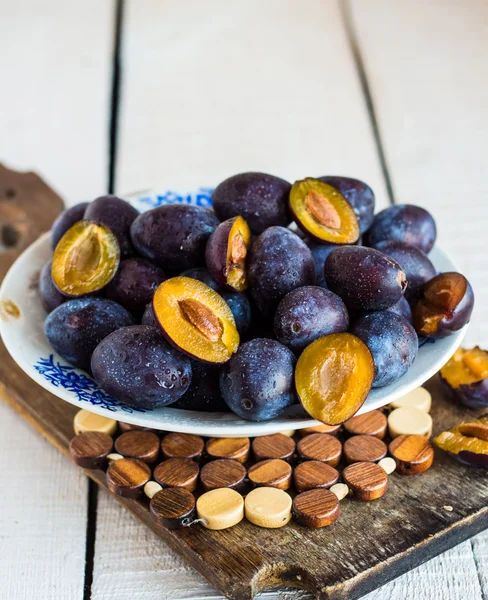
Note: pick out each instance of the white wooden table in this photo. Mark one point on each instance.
(395, 93)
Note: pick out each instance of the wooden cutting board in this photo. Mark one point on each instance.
(373, 542)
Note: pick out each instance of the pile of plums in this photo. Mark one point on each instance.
(241, 309)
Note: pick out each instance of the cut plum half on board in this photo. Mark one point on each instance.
(86, 259)
(333, 377)
(466, 377)
(196, 319)
(467, 442)
(226, 253)
(322, 212)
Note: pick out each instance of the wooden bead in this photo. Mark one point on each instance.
(417, 398)
(232, 448)
(340, 490)
(268, 507)
(143, 445)
(409, 421)
(289, 433)
(330, 429)
(370, 423)
(114, 456)
(413, 454)
(182, 445)
(177, 472)
(316, 508)
(320, 446)
(127, 477)
(152, 488)
(276, 445)
(220, 508)
(313, 474)
(173, 507)
(388, 464)
(222, 473)
(90, 449)
(129, 427)
(367, 481)
(87, 421)
(273, 472)
(364, 448)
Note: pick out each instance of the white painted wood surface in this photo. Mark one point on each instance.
(42, 516)
(214, 88)
(424, 63)
(55, 66)
(210, 89)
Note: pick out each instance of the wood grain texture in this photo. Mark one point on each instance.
(222, 473)
(177, 472)
(55, 104)
(276, 445)
(143, 445)
(182, 445)
(320, 446)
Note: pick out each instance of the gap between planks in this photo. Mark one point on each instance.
(92, 492)
(345, 9)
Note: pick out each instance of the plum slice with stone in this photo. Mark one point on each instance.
(322, 212)
(226, 253)
(85, 260)
(196, 319)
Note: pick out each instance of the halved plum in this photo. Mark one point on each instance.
(467, 442)
(322, 212)
(226, 253)
(196, 319)
(466, 377)
(445, 305)
(333, 377)
(86, 259)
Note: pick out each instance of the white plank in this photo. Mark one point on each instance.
(211, 89)
(426, 64)
(55, 63)
(132, 562)
(42, 516)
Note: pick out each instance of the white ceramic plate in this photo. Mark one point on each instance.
(25, 340)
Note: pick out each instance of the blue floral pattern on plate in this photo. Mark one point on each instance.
(86, 389)
(202, 197)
